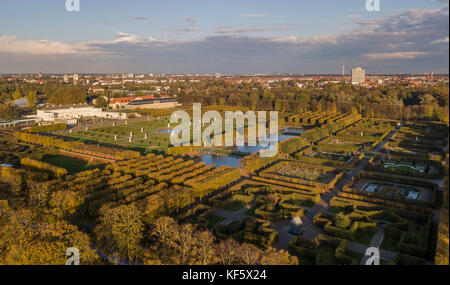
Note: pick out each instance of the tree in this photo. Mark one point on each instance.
(273, 257)
(101, 102)
(31, 98)
(342, 221)
(121, 229)
(17, 95)
(8, 112)
(205, 247)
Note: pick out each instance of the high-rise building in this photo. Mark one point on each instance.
(66, 78)
(358, 76)
(75, 77)
(343, 70)
(218, 75)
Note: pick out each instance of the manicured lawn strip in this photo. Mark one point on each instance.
(71, 164)
(306, 261)
(214, 220)
(235, 206)
(355, 255)
(305, 203)
(251, 211)
(364, 238)
(327, 254)
(389, 244)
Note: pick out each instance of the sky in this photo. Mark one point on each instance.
(233, 36)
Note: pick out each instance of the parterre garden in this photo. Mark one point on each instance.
(279, 187)
(158, 137)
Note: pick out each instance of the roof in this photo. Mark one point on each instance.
(129, 99)
(297, 221)
(61, 107)
(21, 102)
(151, 101)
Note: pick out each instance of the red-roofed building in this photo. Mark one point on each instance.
(123, 101)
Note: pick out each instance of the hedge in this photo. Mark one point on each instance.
(48, 128)
(43, 166)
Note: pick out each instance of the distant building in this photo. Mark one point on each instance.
(70, 112)
(75, 77)
(162, 103)
(66, 78)
(358, 76)
(218, 75)
(123, 101)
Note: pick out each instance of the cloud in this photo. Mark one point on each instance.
(124, 37)
(397, 55)
(252, 15)
(227, 30)
(440, 41)
(140, 18)
(352, 16)
(410, 41)
(12, 44)
(183, 31)
(190, 19)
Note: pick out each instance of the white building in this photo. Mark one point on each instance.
(75, 77)
(66, 113)
(358, 76)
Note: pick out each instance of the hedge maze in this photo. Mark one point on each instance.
(301, 175)
(251, 230)
(396, 192)
(323, 250)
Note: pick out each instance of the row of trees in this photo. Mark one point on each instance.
(121, 232)
(390, 102)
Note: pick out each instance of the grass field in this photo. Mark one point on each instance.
(158, 137)
(364, 238)
(326, 255)
(71, 164)
(214, 220)
(389, 244)
(356, 256)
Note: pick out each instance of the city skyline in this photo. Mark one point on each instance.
(229, 38)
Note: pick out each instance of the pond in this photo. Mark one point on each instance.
(254, 149)
(293, 131)
(232, 161)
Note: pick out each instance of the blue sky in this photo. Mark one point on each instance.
(231, 36)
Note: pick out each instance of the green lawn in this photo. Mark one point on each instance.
(326, 255)
(304, 203)
(251, 212)
(214, 220)
(234, 206)
(334, 210)
(72, 164)
(306, 261)
(389, 244)
(156, 140)
(356, 256)
(364, 237)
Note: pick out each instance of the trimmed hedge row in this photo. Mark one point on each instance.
(47, 128)
(304, 248)
(326, 221)
(78, 147)
(250, 230)
(380, 198)
(43, 166)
